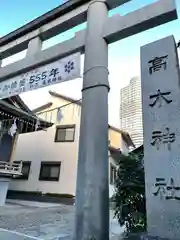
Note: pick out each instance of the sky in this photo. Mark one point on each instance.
(124, 55)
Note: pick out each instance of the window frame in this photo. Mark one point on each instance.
(23, 177)
(113, 174)
(73, 126)
(52, 164)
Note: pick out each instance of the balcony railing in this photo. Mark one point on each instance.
(10, 168)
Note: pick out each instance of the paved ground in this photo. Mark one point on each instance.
(19, 220)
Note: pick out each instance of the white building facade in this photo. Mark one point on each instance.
(131, 110)
(50, 157)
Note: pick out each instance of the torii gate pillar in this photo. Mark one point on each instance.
(92, 194)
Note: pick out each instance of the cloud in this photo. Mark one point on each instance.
(14, 58)
(122, 69)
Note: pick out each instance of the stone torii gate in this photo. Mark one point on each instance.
(92, 196)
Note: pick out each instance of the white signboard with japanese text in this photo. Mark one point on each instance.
(161, 118)
(55, 72)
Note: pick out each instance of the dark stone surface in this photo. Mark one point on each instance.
(39, 197)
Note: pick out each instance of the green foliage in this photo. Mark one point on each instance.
(129, 197)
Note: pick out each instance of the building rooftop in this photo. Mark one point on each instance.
(14, 107)
(125, 135)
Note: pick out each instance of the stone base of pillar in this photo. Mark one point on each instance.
(4, 184)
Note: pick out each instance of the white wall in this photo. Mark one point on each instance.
(40, 146)
(4, 184)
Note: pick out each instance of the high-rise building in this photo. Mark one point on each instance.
(131, 110)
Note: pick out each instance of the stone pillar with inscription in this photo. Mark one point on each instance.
(161, 117)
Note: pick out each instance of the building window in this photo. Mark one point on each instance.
(65, 133)
(113, 174)
(26, 166)
(50, 171)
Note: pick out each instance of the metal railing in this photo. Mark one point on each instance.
(11, 168)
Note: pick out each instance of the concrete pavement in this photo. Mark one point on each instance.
(23, 220)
